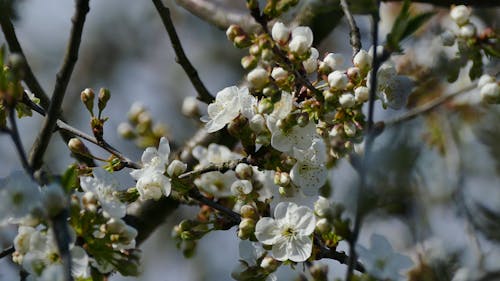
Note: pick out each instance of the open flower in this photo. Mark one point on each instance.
(151, 181)
(381, 261)
(19, 195)
(309, 172)
(289, 232)
(103, 185)
(228, 104)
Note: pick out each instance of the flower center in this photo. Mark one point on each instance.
(289, 232)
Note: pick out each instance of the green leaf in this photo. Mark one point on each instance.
(491, 51)
(416, 22)
(69, 180)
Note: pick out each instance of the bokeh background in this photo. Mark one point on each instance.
(126, 49)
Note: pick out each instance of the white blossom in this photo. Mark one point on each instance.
(241, 187)
(338, 79)
(302, 39)
(363, 60)
(258, 78)
(381, 261)
(322, 206)
(280, 33)
(151, 181)
(295, 137)
(289, 232)
(19, 195)
(468, 30)
(311, 64)
(361, 94)
(334, 61)
(309, 172)
(460, 14)
(104, 186)
(392, 89)
(279, 74)
(490, 92)
(347, 100)
(228, 103)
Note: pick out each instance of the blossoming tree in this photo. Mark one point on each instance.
(261, 163)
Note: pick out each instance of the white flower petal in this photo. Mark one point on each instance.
(299, 249)
(267, 231)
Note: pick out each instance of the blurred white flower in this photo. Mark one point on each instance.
(289, 232)
(227, 105)
(302, 39)
(151, 181)
(490, 92)
(392, 89)
(468, 30)
(309, 172)
(103, 185)
(460, 14)
(295, 137)
(19, 195)
(322, 206)
(381, 261)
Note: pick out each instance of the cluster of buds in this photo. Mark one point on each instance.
(330, 224)
(141, 128)
(87, 97)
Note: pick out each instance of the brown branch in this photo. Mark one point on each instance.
(62, 80)
(14, 47)
(355, 39)
(426, 108)
(181, 58)
(14, 134)
(7, 251)
(219, 16)
(196, 195)
(222, 167)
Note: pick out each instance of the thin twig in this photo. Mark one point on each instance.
(7, 251)
(62, 80)
(369, 138)
(14, 47)
(62, 236)
(219, 16)
(14, 134)
(222, 167)
(428, 107)
(181, 58)
(354, 32)
(196, 195)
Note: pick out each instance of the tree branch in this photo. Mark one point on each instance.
(426, 108)
(181, 58)
(222, 167)
(62, 80)
(355, 39)
(7, 251)
(219, 16)
(14, 47)
(14, 134)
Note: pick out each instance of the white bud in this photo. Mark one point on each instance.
(258, 78)
(322, 206)
(349, 129)
(311, 64)
(338, 79)
(460, 14)
(335, 132)
(280, 33)
(176, 168)
(190, 107)
(135, 109)
(125, 130)
(269, 264)
(323, 226)
(490, 93)
(448, 38)
(347, 100)
(363, 60)
(279, 73)
(243, 171)
(257, 123)
(468, 31)
(241, 187)
(284, 179)
(485, 79)
(353, 73)
(302, 39)
(361, 94)
(334, 61)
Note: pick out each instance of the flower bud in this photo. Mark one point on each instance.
(125, 130)
(448, 38)
(323, 226)
(265, 106)
(248, 211)
(279, 74)
(353, 73)
(135, 110)
(103, 98)
(249, 62)
(460, 14)
(338, 80)
(302, 39)
(284, 179)
(349, 129)
(267, 55)
(232, 31)
(334, 61)
(363, 60)
(87, 97)
(76, 146)
(254, 50)
(269, 264)
(246, 228)
(490, 93)
(280, 33)
(319, 271)
(361, 94)
(242, 41)
(258, 78)
(347, 100)
(176, 168)
(263, 139)
(243, 171)
(190, 107)
(257, 123)
(468, 31)
(329, 96)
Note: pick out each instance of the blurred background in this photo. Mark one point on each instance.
(126, 49)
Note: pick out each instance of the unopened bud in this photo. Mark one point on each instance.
(232, 31)
(468, 31)
(280, 33)
(257, 123)
(104, 96)
(76, 146)
(243, 171)
(242, 41)
(248, 211)
(323, 226)
(269, 264)
(353, 73)
(334, 61)
(361, 94)
(87, 97)
(190, 107)
(246, 228)
(258, 78)
(460, 14)
(176, 168)
(362, 60)
(125, 130)
(279, 74)
(249, 62)
(135, 110)
(338, 80)
(319, 271)
(347, 100)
